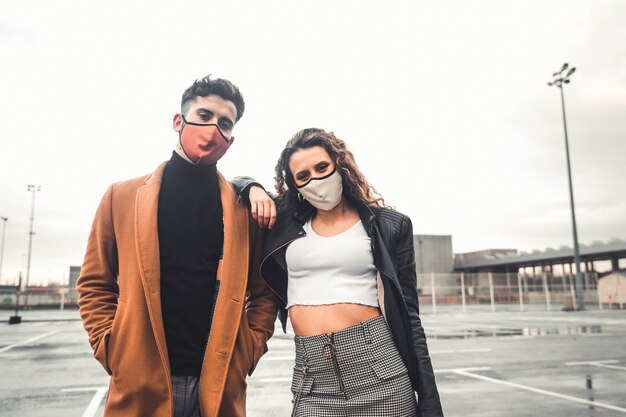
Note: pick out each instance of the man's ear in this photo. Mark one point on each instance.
(177, 122)
(232, 140)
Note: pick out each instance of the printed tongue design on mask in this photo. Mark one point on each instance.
(203, 144)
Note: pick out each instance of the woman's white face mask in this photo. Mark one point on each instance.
(325, 192)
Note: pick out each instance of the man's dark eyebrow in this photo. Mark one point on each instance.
(228, 119)
(204, 109)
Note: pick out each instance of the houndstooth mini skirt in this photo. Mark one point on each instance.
(352, 372)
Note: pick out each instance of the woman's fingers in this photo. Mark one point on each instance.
(272, 214)
(262, 215)
(253, 209)
(262, 207)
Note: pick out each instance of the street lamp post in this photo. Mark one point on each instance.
(561, 78)
(33, 189)
(4, 229)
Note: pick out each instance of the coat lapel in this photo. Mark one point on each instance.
(147, 245)
(233, 275)
(234, 267)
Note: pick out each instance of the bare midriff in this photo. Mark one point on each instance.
(320, 319)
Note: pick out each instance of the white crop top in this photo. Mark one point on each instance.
(331, 270)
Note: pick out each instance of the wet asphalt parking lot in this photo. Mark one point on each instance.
(509, 364)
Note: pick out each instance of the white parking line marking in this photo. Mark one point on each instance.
(265, 380)
(279, 358)
(541, 391)
(81, 389)
(93, 406)
(460, 351)
(291, 358)
(599, 364)
(25, 342)
(96, 400)
(588, 362)
(480, 368)
(437, 371)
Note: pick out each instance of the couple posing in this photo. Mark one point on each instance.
(180, 285)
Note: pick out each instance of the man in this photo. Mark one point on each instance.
(169, 291)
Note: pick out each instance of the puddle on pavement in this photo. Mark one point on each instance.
(517, 332)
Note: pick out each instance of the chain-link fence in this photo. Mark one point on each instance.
(509, 292)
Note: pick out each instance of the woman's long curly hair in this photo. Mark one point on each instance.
(355, 186)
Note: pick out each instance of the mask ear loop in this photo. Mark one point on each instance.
(180, 140)
(300, 198)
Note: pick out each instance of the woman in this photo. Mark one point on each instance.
(343, 265)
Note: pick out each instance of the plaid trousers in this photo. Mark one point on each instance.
(185, 396)
(353, 372)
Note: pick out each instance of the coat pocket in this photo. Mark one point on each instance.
(246, 342)
(111, 359)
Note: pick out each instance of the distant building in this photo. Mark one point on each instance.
(612, 289)
(433, 255)
(7, 296)
(508, 260)
(551, 267)
(483, 254)
(74, 274)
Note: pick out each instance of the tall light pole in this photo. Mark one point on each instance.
(4, 229)
(561, 78)
(33, 189)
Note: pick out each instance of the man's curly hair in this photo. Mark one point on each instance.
(355, 186)
(218, 86)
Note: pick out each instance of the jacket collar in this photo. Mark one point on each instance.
(367, 214)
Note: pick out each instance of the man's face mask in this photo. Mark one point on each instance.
(325, 192)
(204, 144)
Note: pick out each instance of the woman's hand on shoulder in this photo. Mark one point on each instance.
(262, 207)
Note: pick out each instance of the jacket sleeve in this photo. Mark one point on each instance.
(97, 284)
(261, 303)
(242, 188)
(429, 403)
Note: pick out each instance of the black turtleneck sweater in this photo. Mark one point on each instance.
(191, 237)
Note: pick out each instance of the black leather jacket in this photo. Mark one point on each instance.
(391, 235)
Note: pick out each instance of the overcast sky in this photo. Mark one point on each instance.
(444, 104)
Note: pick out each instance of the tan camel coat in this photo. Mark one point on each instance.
(120, 304)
